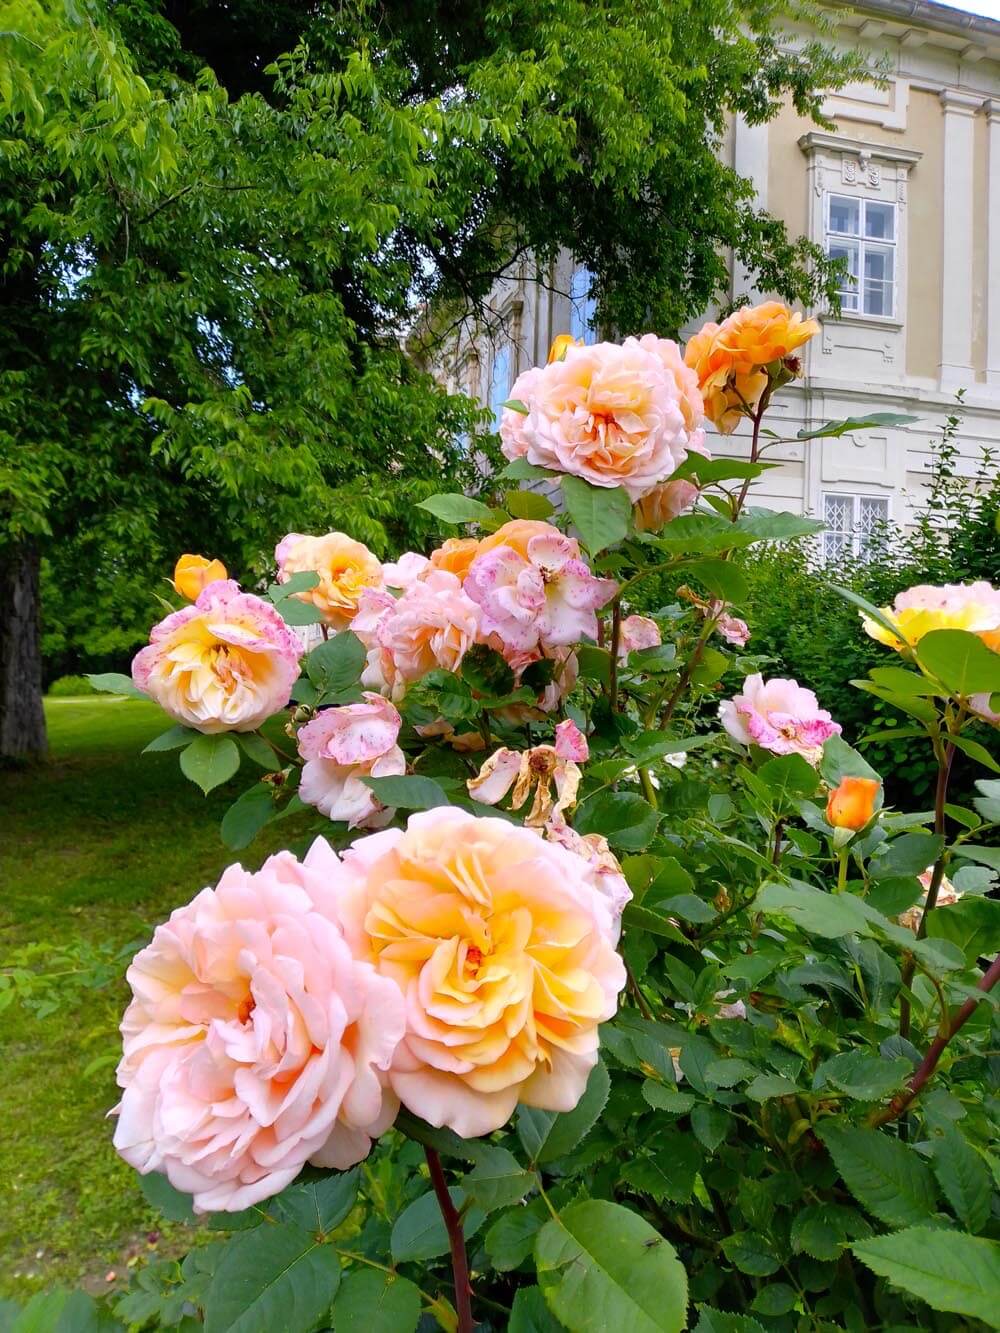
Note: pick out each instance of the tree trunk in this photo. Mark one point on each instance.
(22, 720)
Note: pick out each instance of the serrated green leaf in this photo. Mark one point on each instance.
(963, 1177)
(247, 816)
(337, 663)
(271, 1277)
(209, 761)
(256, 748)
(832, 429)
(456, 508)
(171, 740)
(408, 793)
(602, 1266)
(949, 1271)
(960, 660)
(885, 1175)
(752, 1253)
(497, 1180)
(113, 682)
(317, 1205)
(600, 514)
(370, 1301)
(547, 1136)
(419, 1231)
(530, 1314)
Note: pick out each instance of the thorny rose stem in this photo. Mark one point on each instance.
(456, 1243)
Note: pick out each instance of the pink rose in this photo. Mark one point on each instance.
(343, 745)
(611, 414)
(780, 716)
(980, 705)
(502, 945)
(226, 663)
(638, 632)
(571, 743)
(432, 625)
(733, 630)
(254, 1042)
(946, 897)
(544, 600)
(406, 570)
(512, 437)
(686, 381)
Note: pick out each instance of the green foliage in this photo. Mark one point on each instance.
(70, 687)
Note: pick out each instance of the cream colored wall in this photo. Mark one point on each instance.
(786, 171)
(925, 131)
(979, 252)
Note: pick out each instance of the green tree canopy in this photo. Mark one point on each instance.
(216, 222)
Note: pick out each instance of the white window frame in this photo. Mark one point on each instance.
(582, 305)
(857, 541)
(863, 242)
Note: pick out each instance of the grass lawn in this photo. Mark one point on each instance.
(98, 845)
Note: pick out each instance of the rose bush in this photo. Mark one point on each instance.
(655, 1014)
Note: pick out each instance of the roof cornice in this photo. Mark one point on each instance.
(926, 14)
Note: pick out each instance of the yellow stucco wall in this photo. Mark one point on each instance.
(924, 131)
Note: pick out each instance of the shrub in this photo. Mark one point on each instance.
(70, 687)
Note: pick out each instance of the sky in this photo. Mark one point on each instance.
(989, 8)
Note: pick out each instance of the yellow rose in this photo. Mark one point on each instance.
(974, 607)
(561, 345)
(194, 572)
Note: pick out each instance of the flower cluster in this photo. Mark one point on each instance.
(458, 966)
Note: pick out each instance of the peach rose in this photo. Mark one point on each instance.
(561, 344)
(518, 533)
(432, 625)
(688, 393)
(410, 567)
(780, 716)
(948, 895)
(254, 1042)
(638, 632)
(663, 503)
(513, 442)
(730, 358)
(343, 745)
(970, 606)
(193, 573)
(227, 663)
(852, 804)
(456, 555)
(345, 568)
(610, 414)
(502, 945)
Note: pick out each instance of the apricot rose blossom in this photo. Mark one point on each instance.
(226, 663)
(615, 415)
(779, 715)
(255, 1042)
(345, 567)
(341, 746)
(502, 945)
(545, 599)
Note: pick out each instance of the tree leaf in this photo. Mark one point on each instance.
(960, 660)
(949, 1271)
(373, 1302)
(408, 793)
(965, 1182)
(602, 1266)
(271, 1277)
(210, 760)
(887, 1176)
(547, 1135)
(600, 514)
(455, 508)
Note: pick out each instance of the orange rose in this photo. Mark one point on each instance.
(730, 358)
(516, 534)
(456, 555)
(852, 804)
(194, 572)
(561, 345)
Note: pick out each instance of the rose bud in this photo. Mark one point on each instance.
(192, 573)
(852, 804)
(561, 345)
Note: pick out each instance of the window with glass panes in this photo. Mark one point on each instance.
(500, 379)
(863, 231)
(851, 522)
(583, 306)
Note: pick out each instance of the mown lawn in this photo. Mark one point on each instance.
(96, 846)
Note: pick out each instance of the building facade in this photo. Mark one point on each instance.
(906, 188)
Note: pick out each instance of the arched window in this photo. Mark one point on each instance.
(583, 305)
